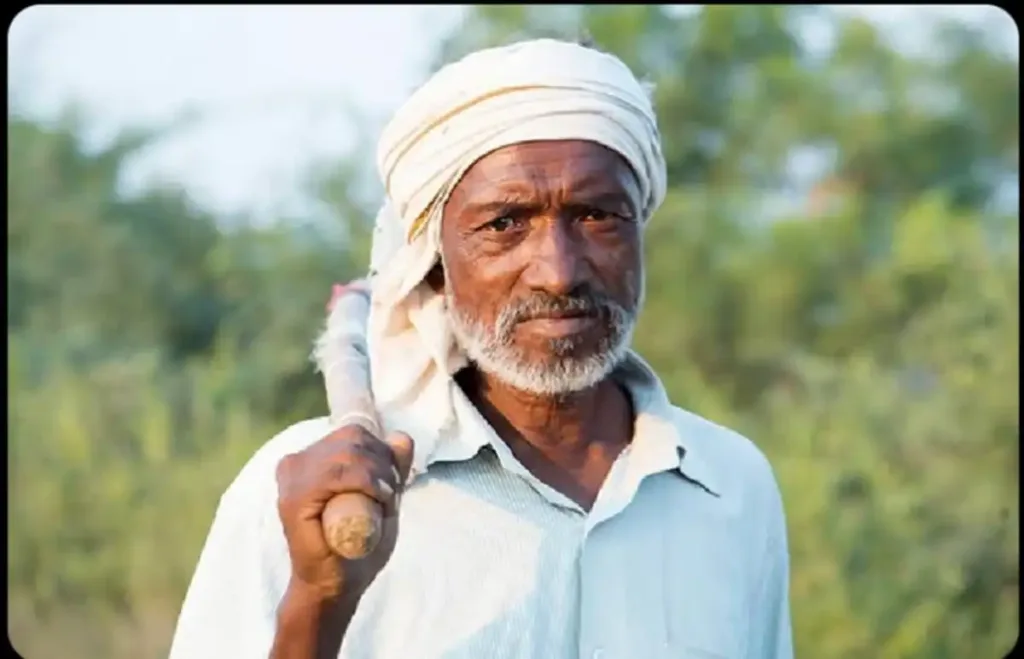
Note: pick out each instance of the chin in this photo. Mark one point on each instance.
(554, 375)
(545, 363)
(581, 346)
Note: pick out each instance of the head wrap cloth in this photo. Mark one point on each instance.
(529, 91)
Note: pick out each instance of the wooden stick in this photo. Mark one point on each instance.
(353, 522)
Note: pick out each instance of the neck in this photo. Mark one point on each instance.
(565, 429)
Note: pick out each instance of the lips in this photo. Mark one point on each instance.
(563, 315)
(561, 324)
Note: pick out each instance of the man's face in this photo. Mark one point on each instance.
(541, 245)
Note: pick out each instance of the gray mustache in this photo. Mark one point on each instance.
(539, 305)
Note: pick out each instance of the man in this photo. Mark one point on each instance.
(545, 499)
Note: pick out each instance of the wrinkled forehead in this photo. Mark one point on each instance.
(566, 168)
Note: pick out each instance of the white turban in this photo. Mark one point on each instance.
(529, 91)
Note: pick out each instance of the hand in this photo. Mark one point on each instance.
(349, 459)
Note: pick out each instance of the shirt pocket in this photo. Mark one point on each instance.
(623, 585)
(707, 573)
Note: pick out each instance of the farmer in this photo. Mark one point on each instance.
(545, 499)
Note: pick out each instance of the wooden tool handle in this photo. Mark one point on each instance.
(353, 523)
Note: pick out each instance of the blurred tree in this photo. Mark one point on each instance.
(152, 350)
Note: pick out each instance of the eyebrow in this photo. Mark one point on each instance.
(502, 202)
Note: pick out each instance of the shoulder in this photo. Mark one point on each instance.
(733, 461)
(257, 480)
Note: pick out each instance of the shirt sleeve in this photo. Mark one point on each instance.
(230, 606)
(772, 636)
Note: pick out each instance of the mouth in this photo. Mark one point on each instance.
(568, 313)
(561, 323)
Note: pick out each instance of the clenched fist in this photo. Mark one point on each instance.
(349, 459)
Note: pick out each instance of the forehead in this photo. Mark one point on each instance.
(564, 166)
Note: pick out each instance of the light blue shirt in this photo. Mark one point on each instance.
(683, 554)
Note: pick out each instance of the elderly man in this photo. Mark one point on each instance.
(554, 503)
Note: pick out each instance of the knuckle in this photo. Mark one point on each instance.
(367, 452)
(361, 480)
(349, 474)
(363, 441)
(348, 434)
(338, 471)
(283, 469)
(284, 504)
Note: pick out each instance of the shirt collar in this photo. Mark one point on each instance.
(658, 430)
(659, 422)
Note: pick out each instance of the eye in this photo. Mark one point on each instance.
(502, 224)
(596, 215)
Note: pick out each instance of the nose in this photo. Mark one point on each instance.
(558, 263)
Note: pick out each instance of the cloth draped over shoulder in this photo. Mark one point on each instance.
(529, 91)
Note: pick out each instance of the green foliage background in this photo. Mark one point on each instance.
(862, 328)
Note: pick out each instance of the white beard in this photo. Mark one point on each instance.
(493, 350)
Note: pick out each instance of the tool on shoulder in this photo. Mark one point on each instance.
(352, 522)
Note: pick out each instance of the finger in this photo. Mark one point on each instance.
(354, 443)
(346, 437)
(374, 482)
(367, 444)
(402, 447)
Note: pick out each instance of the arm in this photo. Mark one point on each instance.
(310, 626)
(240, 602)
(235, 606)
(230, 604)
(243, 600)
(772, 635)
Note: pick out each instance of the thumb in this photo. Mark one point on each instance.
(402, 446)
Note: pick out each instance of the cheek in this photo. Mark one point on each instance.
(457, 277)
(466, 297)
(636, 279)
(620, 268)
(477, 282)
(473, 310)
